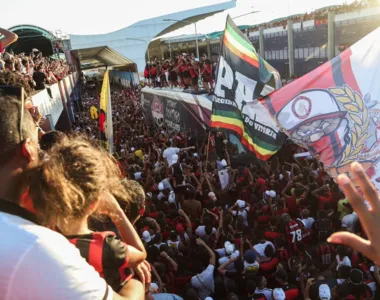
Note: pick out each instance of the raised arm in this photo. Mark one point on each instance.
(8, 37)
(209, 250)
(188, 222)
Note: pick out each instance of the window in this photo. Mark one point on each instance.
(305, 52)
(269, 56)
(286, 54)
(311, 53)
(316, 52)
(296, 53)
(273, 54)
(300, 54)
(281, 54)
(277, 54)
(323, 52)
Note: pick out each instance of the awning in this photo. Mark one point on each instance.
(100, 57)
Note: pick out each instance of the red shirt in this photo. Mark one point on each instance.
(322, 200)
(291, 204)
(267, 268)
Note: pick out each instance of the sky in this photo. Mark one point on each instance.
(92, 17)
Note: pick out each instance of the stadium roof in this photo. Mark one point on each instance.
(100, 57)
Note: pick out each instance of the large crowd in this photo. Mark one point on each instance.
(319, 13)
(212, 230)
(168, 216)
(32, 71)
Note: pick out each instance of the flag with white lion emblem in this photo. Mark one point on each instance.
(334, 111)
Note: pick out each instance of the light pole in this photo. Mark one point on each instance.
(141, 40)
(252, 12)
(196, 32)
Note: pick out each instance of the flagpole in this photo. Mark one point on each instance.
(208, 145)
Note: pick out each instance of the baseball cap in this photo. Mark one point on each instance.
(132, 149)
(271, 194)
(212, 196)
(175, 158)
(324, 292)
(146, 236)
(195, 154)
(278, 294)
(229, 247)
(180, 229)
(249, 256)
(240, 203)
(224, 163)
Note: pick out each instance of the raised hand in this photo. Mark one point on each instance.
(369, 218)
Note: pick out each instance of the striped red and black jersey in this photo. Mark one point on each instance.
(293, 232)
(325, 253)
(107, 254)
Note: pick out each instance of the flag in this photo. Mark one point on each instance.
(243, 77)
(334, 111)
(105, 116)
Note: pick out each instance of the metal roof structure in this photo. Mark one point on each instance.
(100, 57)
(133, 41)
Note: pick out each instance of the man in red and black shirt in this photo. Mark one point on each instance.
(107, 254)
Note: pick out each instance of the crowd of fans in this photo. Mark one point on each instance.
(319, 13)
(214, 230)
(184, 71)
(172, 217)
(31, 71)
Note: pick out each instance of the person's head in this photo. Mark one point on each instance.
(136, 207)
(269, 251)
(249, 256)
(259, 233)
(294, 263)
(281, 276)
(344, 272)
(49, 139)
(341, 251)
(356, 277)
(286, 218)
(250, 287)
(305, 213)
(261, 282)
(19, 151)
(73, 181)
(278, 294)
(348, 208)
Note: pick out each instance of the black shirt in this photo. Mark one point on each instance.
(40, 79)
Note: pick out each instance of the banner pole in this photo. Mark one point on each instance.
(208, 145)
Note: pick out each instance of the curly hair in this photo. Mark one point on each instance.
(73, 179)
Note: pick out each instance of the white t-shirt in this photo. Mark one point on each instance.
(169, 153)
(201, 231)
(266, 292)
(308, 222)
(204, 282)
(260, 248)
(243, 213)
(342, 262)
(349, 221)
(45, 263)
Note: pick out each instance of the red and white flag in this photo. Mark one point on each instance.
(334, 111)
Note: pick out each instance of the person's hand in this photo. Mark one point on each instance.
(233, 258)
(164, 255)
(369, 218)
(108, 205)
(143, 270)
(200, 242)
(181, 212)
(310, 282)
